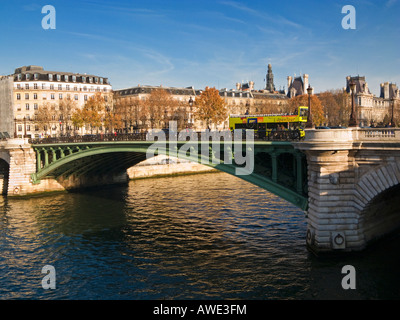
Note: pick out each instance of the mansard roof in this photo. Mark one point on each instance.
(361, 84)
(37, 73)
(146, 89)
(298, 85)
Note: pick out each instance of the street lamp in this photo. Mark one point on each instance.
(25, 135)
(15, 128)
(392, 119)
(191, 115)
(353, 115)
(309, 124)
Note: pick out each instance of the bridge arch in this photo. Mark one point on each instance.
(378, 201)
(4, 176)
(117, 158)
(5, 157)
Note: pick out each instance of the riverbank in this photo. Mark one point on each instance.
(156, 167)
(164, 166)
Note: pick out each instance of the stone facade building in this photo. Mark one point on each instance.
(372, 110)
(244, 98)
(24, 93)
(129, 104)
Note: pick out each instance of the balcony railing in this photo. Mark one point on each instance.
(379, 134)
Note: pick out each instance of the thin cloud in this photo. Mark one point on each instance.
(31, 7)
(262, 15)
(391, 3)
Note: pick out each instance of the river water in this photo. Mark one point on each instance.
(208, 236)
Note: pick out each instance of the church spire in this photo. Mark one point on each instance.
(270, 80)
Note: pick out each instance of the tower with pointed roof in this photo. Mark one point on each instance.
(270, 80)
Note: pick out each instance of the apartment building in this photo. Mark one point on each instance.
(31, 89)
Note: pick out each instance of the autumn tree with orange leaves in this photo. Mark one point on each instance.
(96, 113)
(210, 107)
(317, 110)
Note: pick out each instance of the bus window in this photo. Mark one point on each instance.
(241, 126)
(303, 112)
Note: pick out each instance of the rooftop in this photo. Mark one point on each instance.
(37, 73)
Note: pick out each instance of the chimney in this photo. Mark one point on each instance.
(366, 90)
(238, 86)
(305, 82)
(385, 90)
(251, 85)
(289, 82)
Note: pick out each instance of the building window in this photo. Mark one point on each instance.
(50, 77)
(43, 86)
(19, 127)
(18, 96)
(35, 106)
(26, 96)
(60, 96)
(59, 87)
(84, 88)
(67, 87)
(76, 97)
(73, 78)
(52, 87)
(18, 86)
(19, 77)
(35, 86)
(66, 78)
(35, 96)
(52, 96)
(101, 80)
(58, 77)
(26, 85)
(84, 79)
(75, 88)
(85, 97)
(106, 98)
(27, 106)
(36, 76)
(28, 127)
(28, 76)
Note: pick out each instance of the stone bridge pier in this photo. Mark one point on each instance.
(353, 187)
(18, 160)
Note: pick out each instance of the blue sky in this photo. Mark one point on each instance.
(205, 43)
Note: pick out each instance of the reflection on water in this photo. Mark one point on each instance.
(210, 236)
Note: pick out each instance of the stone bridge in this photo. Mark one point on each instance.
(345, 180)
